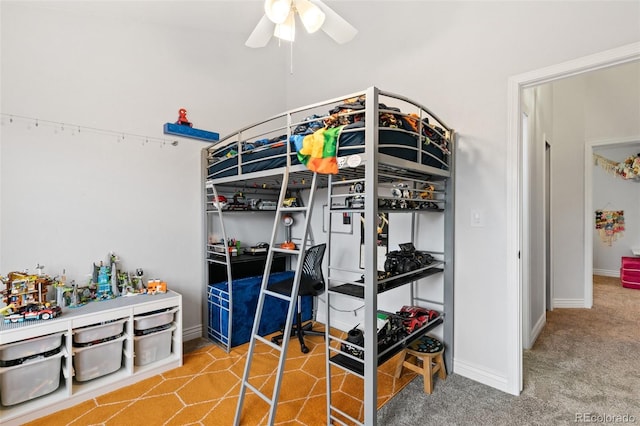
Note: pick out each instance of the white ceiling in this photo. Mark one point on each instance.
(201, 15)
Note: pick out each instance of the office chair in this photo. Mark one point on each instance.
(311, 284)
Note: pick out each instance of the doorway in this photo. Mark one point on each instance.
(515, 264)
(612, 201)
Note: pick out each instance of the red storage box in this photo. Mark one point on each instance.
(631, 263)
(630, 272)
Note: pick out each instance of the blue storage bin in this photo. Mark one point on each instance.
(245, 303)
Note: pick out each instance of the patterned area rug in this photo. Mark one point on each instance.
(204, 391)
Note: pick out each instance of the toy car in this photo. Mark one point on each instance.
(33, 311)
(238, 202)
(415, 317)
(390, 331)
(14, 318)
(221, 201)
(39, 311)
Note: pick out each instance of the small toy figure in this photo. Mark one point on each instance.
(401, 193)
(182, 118)
(156, 286)
(355, 201)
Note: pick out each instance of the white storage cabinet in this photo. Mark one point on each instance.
(111, 326)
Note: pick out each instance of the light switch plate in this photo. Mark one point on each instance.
(477, 218)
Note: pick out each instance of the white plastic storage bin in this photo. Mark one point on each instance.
(152, 347)
(30, 347)
(156, 319)
(94, 333)
(35, 377)
(90, 362)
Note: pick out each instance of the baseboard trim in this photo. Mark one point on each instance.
(480, 375)
(192, 333)
(568, 303)
(537, 329)
(607, 272)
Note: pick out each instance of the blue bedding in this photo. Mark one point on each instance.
(272, 155)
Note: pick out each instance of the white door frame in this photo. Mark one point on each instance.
(609, 58)
(547, 260)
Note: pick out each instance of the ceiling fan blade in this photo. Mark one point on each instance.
(261, 33)
(335, 25)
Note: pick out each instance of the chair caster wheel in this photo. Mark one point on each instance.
(304, 349)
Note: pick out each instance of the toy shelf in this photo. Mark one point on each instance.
(390, 283)
(357, 366)
(72, 391)
(190, 132)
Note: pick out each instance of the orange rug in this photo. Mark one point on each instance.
(205, 391)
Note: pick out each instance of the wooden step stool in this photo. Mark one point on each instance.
(425, 363)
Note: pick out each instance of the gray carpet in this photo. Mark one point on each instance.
(584, 361)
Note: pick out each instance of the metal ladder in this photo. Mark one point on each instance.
(292, 300)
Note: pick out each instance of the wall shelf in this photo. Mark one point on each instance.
(190, 132)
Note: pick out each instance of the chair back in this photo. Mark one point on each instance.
(312, 280)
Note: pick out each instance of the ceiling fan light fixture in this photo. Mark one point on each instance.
(279, 21)
(287, 29)
(278, 10)
(311, 16)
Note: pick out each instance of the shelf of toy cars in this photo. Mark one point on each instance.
(398, 205)
(356, 365)
(389, 283)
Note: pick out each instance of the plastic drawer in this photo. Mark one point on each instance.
(94, 333)
(97, 360)
(30, 380)
(152, 347)
(30, 347)
(630, 278)
(156, 319)
(632, 263)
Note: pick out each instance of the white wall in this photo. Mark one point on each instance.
(454, 57)
(568, 200)
(610, 192)
(69, 198)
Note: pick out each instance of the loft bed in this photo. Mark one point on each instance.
(409, 142)
(410, 139)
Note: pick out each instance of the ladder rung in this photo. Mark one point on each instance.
(257, 392)
(281, 250)
(346, 210)
(267, 341)
(278, 295)
(347, 369)
(294, 209)
(341, 422)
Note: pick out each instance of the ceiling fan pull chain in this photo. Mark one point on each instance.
(291, 58)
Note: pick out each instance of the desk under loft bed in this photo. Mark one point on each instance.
(400, 157)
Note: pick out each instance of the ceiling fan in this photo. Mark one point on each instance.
(279, 21)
